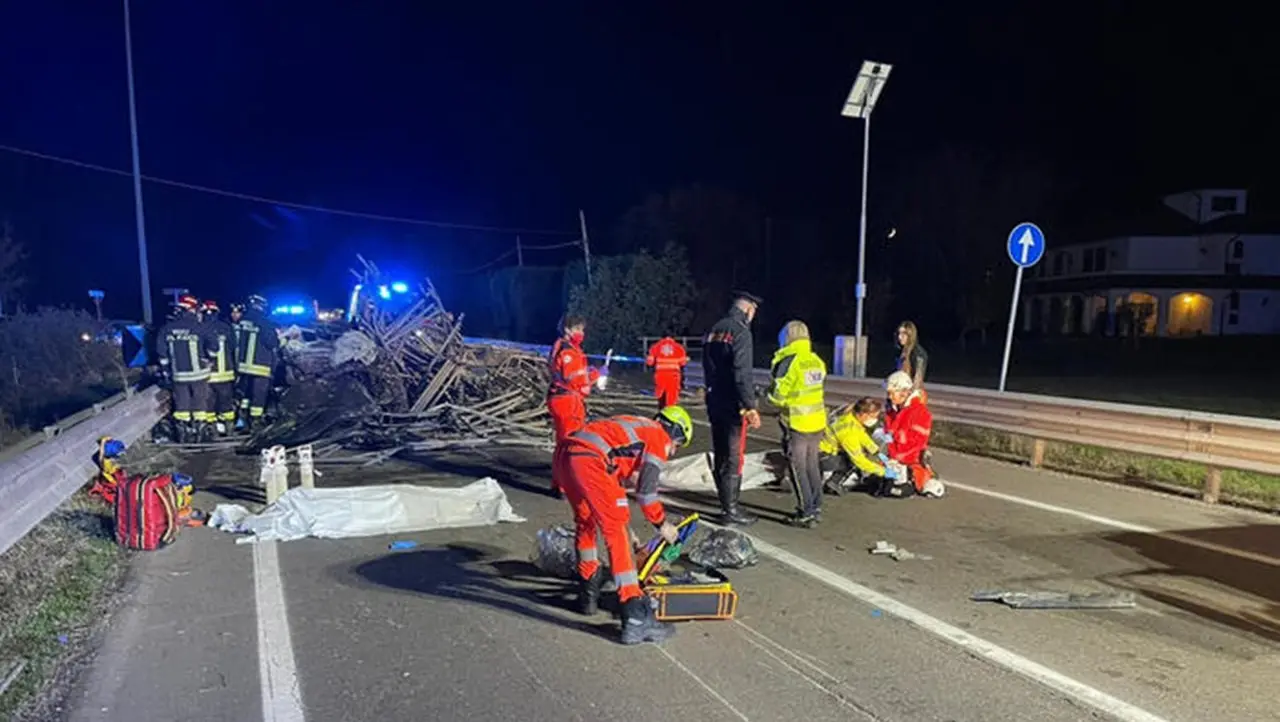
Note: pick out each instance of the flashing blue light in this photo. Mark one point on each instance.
(384, 292)
(297, 310)
(281, 310)
(400, 287)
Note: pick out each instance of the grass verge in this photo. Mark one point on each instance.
(1240, 487)
(55, 585)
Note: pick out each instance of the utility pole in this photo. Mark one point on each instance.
(519, 253)
(768, 253)
(586, 244)
(143, 268)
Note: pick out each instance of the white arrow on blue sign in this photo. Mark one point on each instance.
(1026, 245)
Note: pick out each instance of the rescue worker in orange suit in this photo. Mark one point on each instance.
(595, 462)
(571, 382)
(257, 350)
(909, 423)
(222, 377)
(667, 358)
(727, 364)
(183, 350)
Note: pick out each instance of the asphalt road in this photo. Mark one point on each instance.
(463, 628)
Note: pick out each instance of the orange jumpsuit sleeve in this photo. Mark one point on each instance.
(652, 463)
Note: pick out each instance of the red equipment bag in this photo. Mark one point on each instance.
(146, 512)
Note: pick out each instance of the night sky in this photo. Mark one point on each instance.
(517, 114)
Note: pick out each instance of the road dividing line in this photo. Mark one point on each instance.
(1000, 656)
(277, 671)
(1094, 518)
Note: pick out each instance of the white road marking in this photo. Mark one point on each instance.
(1095, 518)
(977, 646)
(710, 690)
(828, 685)
(277, 671)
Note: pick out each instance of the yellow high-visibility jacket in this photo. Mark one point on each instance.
(798, 378)
(847, 435)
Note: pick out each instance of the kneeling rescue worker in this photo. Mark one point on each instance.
(909, 422)
(594, 464)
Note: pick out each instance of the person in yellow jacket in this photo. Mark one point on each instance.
(797, 391)
(852, 444)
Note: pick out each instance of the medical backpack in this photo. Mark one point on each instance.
(146, 512)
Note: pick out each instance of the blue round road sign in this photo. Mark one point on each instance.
(1026, 245)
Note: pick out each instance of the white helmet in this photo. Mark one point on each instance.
(899, 381)
(933, 488)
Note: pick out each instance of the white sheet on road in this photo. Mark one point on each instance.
(693, 473)
(368, 511)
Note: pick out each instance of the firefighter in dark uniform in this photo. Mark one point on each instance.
(257, 348)
(731, 400)
(183, 351)
(222, 377)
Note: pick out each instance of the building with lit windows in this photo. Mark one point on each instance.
(1201, 265)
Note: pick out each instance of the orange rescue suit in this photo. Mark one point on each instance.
(667, 358)
(594, 464)
(571, 381)
(911, 425)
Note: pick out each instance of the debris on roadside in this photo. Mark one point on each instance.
(897, 553)
(1058, 600)
(724, 549)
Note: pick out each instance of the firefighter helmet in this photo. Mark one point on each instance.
(210, 306)
(187, 302)
(258, 302)
(677, 423)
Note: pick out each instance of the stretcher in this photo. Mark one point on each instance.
(687, 594)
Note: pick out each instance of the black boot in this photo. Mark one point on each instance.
(206, 432)
(640, 624)
(186, 432)
(589, 593)
(733, 512)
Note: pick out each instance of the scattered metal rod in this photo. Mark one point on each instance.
(11, 676)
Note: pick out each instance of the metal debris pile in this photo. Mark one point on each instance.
(427, 388)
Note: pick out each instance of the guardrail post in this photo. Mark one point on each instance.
(1037, 453)
(1212, 485)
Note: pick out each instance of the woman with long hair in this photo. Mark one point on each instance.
(912, 358)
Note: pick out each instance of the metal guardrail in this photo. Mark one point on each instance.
(1218, 441)
(42, 472)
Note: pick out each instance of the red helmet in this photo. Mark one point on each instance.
(210, 306)
(188, 302)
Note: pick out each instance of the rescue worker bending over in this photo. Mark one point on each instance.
(571, 382)
(183, 349)
(910, 424)
(731, 401)
(667, 358)
(222, 392)
(257, 350)
(798, 378)
(852, 445)
(594, 464)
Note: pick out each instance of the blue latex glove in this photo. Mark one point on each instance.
(884, 459)
(881, 437)
(890, 473)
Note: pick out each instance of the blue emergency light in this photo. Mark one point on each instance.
(400, 287)
(384, 292)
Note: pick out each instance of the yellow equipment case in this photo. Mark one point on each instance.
(702, 594)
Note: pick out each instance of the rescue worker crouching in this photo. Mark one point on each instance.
(257, 350)
(222, 377)
(798, 378)
(910, 424)
(183, 347)
(571, 382)
(851, 447)
(593, 464)
(667, 357)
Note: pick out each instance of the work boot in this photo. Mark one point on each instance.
(732, 512)
(185, 432)
(221, 428)
(802, 520)
(640, 624)
(589, 593)
(205, 432)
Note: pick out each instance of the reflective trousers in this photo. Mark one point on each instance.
(666, 388)
(568, 414)
(191, 400)
(599, 502)
(223, 401)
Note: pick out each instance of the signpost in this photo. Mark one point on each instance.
(97, 296)
(1026, 248)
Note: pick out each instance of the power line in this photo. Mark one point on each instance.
(289, 204)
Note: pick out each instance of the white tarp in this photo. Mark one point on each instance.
(693, 473)
(368, 511)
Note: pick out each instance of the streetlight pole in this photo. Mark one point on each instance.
(140, 217)
(861, 101)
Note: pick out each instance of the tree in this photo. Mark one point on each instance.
(11, 256)
(635, 295)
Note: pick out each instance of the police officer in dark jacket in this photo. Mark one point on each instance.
(183, 351)
(731, 400)
(257, 351)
